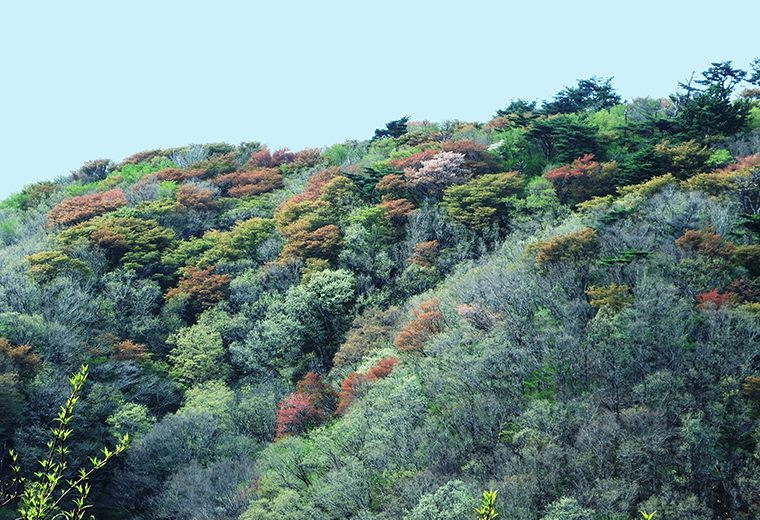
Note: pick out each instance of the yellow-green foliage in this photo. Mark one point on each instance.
(614, 296)
(714, 183)
(46, 265)
(565, 248)
(650, 187)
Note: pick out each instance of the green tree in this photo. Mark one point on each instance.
(394, 129)
(567, 508)
(591, 94)
(485, 201)
(198, 355)
(452, 501)
(563, 137)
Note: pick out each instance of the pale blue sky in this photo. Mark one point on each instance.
(84, 80)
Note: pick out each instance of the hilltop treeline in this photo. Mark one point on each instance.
(560, 303)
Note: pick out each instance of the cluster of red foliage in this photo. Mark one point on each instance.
(713, 300)
(746, 163)
(351, 386)
(176, 174)
(265, 159)
(427, 320)
(582, 180)
(304, 159)
(310, 405)
(192, 197)
(323, 242)
(414, 160)
(246, 183)
(396, 210)
(74, 210)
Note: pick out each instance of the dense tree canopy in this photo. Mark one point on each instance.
(561, 303)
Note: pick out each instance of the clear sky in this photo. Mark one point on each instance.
(83, 80)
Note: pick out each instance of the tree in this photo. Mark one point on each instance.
(517, 107)
(424, 254)
(323, 308)
(78, 209)
(249, 183)
(193, 197)
(133, 242)
(197, 356)
(452, 501)
(574, 247)
(614, 297)
(484, 201)
(563, 137)
(242, 242)
(371, 330)
(426, 322)
(567, 508)
(755, 77)
(705, 242)
(713, 300)
(590, 95)
(394, 129)
(582, 180)
(711, 112)
(199, 290)
(45, 266)
(92, 171)
(309, 406)
(436, 174)
(354, 383)
(723, 76)
(477, 159)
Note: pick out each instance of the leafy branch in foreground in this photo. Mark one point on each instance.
(487, 511)
(41, 498)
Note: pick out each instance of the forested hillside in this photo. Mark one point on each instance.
(561, 304)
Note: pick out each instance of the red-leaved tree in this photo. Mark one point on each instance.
(582, 180)
(309, 406)
(247, 183)
(713, 300)
(74, 210)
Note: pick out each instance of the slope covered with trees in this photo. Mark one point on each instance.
(560, 303)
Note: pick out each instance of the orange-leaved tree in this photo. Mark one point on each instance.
(573, 247)
(74, 210)
(427, 322)
(705, 243)
(352, 385)
(199, 289)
